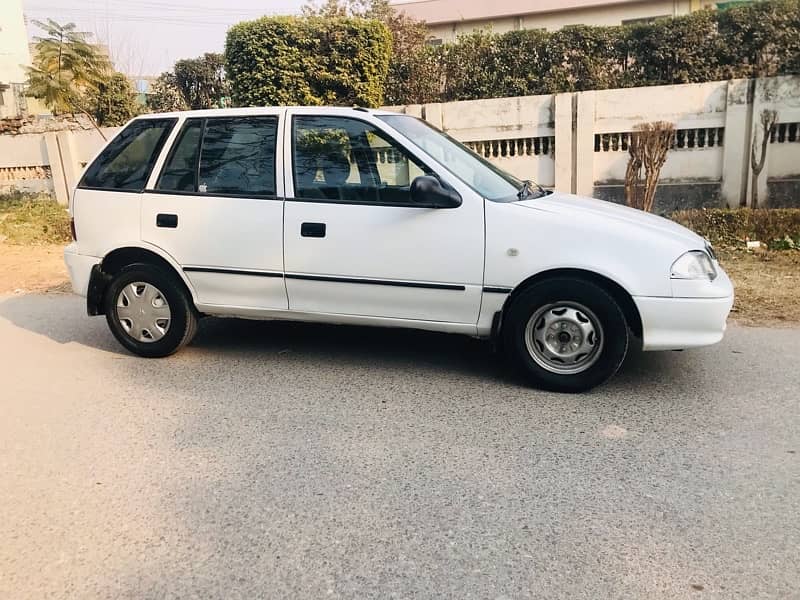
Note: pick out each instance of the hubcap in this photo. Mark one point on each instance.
(143, 312)
(564, 338)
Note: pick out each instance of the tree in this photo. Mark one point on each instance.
(648, 147)
(307, 60)
(164, 95)
(768, 120)
(67, 69)
(412, 70)
(201, 81)
(114, 102)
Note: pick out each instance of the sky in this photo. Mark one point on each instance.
(146, 37)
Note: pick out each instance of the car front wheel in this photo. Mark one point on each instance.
(566, 334)
(148, 312)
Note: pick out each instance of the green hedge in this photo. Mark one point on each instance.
(757, 40)
(779, 228)
(307, 60)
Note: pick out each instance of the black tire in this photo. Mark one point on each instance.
(613, 333)
(183, 316)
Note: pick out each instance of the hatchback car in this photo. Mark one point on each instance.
(368, 217)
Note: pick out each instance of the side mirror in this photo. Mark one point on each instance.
(429, 191)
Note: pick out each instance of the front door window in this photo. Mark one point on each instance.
(339, 159)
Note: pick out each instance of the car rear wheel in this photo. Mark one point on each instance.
(149, 312)
(566, 334)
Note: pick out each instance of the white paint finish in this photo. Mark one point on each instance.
(358, 299)
(632, 248)
(499, 118)
(213, 231)
(682, 166)
(251, 291)
(562, 178)
(26, 150)
(386, 242)
(79, 267)
(784, 160)
(721, 287)
(584, 144)
(693, 105)
(106, 220)
(678, 323)
(736, 156)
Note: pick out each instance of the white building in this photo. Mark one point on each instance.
(14, 57)
(447, 19)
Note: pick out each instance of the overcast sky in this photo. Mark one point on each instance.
(147, 36)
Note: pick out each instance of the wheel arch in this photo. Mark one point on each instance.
(117, 259)
(622, 297)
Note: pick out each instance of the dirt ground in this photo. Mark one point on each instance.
(32, 269)
(766, 286)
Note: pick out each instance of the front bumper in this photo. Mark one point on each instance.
(679, 323)
(80, 268)
(696, 314)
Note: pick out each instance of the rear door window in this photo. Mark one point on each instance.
(224, 156)
(180, 172)
(238, 156)
(125, 164)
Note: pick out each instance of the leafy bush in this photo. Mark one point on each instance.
(30, 219)
(114, 101)
(779, 228)
(755, 40)
(307, 60)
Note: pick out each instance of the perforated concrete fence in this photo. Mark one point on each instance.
(579, 142)
(575, 142)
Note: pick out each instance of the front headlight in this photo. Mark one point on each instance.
(695, 264)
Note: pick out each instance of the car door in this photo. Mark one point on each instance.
(354, 242)
(216, 207)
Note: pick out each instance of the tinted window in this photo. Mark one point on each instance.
(349, 160)
(238, 156)
(126, 162)
(180, 170)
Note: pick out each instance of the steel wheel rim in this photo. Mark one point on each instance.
(143, 312)
(565, 338)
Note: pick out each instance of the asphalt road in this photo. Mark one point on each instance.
(282, 460)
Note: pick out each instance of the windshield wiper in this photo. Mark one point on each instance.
(526, 190)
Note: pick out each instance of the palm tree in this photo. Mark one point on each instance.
(66, 68)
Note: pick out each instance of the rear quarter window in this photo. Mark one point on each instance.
(126, 163)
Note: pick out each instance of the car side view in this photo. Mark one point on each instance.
(369, 217)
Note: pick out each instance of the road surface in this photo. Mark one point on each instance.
(282, 460)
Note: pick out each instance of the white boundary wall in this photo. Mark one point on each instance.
(575, 142)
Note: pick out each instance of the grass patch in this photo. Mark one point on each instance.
(778, 228)
(33, 220)
(765, 286)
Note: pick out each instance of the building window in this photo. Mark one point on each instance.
(644, 20)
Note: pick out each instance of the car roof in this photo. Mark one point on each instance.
(260, 110)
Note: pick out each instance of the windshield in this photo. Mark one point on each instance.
(481, 175)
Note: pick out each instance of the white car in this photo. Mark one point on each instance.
(369, 217)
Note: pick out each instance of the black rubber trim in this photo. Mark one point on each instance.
(389, 282)
(98, 282)
(497, 290)
(359, 203)
(232, 271)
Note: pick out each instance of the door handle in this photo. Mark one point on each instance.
(315, 230)
(169, 221)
